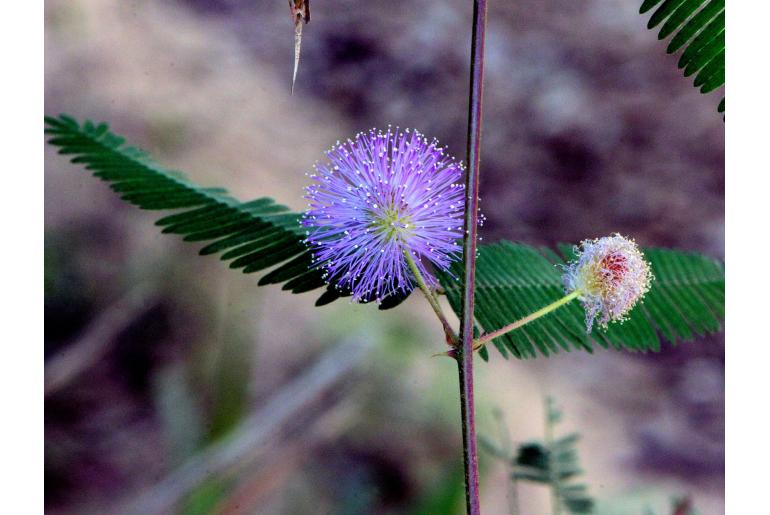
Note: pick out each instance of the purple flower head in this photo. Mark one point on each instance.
(380, 196)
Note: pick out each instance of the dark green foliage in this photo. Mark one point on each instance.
(555, 467)
(253, 236)
(700, 25)
(513, 280)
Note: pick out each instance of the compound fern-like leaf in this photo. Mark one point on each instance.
(700, 26)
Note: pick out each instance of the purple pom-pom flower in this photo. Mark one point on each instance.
(380, 196)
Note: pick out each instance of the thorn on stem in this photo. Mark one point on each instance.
(452, 353)
(300, 11)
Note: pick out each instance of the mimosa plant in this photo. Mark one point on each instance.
(391, 211)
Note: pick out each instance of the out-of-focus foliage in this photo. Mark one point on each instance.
(646, 501)
(554, 461)
(446, 496)
(551, 461)
(700, 26)
(514, 280)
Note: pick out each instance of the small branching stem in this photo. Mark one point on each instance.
(507, 452)
(553, 469)
(451, 337)
(488, 337)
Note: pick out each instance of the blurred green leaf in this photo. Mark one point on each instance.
(205, 498)
(446, 495)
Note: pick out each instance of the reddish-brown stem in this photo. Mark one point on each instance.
(465, 349)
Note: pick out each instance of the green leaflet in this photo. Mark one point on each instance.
(254, 236)
(513, 280)
(700, 26)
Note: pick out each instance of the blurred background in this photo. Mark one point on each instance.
(175, 385)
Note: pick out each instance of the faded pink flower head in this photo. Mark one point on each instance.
(611, 276)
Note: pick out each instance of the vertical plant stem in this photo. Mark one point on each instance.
(465, 349)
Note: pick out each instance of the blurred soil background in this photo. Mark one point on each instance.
(176, 385)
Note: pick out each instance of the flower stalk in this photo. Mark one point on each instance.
(451, 337)
(488, 337)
